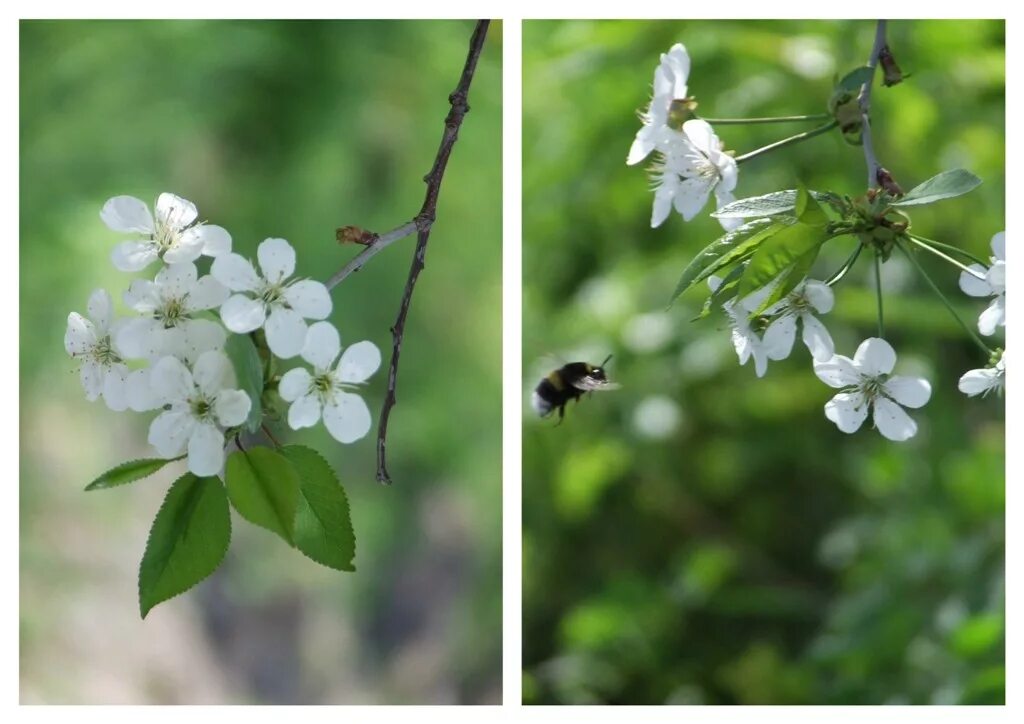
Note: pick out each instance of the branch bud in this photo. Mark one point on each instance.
(355, 235)
(890, 69)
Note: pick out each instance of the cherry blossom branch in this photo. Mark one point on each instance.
(772, 119)
(379, 243)
(865, 108)
(423, 223)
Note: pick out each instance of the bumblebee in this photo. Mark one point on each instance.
(569, 382)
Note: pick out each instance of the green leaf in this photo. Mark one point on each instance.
(809, 210)
(129, 472)
(777, 202)
(775, 257)
(323, 528)
(857, 77)
(946, 185)
(789, 279)
(264, 488)
(187, 542)
(725, 291)
(249, 371)
(731, 247)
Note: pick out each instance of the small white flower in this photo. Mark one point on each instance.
(807, 298)
(323, 393)
(170, 305)
(91, 341)
(203, 403)
(747, 342)
(669, 84)
(992, 285)
(866, 381)
(173, 235)
(692, 166)
(985, 380)
(274, 299)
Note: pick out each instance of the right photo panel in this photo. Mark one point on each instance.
(764, 321)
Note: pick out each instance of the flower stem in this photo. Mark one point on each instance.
(788, 141)
(950, 248)
(973, 335)
(771, 119)
(878, 293)
(945, 257)
(847, 265)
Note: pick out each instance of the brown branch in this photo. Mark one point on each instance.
(379, 243)
(865, 109)
(423, 222)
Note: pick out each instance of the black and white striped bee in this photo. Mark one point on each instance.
(569, 382)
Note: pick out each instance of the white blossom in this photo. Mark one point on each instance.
(808, 298)
(866, 382)
(669, 84)
(172, 235)
(91, 341)
(274, 300)
(693, 165)
(985, 380)
(202, 403)
(170, 306)
(747, 342)
(990, 282)
(324, 392)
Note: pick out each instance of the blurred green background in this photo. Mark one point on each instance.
(704, 536)
(286, 129)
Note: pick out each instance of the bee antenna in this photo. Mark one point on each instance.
(606, 360)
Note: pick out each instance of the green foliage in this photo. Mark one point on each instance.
(777, 202)
(852, 81)
(249, 374)
(264, 488)
(323, 528)
(129, 472)
(187, 542)
(945, 185)
(741, 549)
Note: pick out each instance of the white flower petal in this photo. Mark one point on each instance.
(142, 296)
(642, 146)
(175, 212)
(294, 384)
(975, 285)
(277, 259)
(212, 240)
(187, 248)
(199, 336)
(908, 391)
(133, 256)
(242, 314)
(213, 372)
(347, 417)
(142, 338)
(676, 66)
(235, 272)
(760, 359)
(286, 332)
(80, 335)
(663, 196)
(839, 371)
(304, 412)
(977, 382)
(816, 337)
(205, 450)
(176, 280)
(691, 196)
(101, 310)
(701, 135)
(996, 277)
(874, 357)
(993, 316)
(170, 431)
(309, 298)
(847, 410)
(91, 375)
(359, 362)
(170, 380)
(779, 337)
(206, 293)
(322, 345)
(999, 246)
(819, 295)
(128, 215)
(139, 391)
(115, 387)
(893, 421)
(232, 407)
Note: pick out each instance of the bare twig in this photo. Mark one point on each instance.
(375, 247)
(865, 108)
(423, 222)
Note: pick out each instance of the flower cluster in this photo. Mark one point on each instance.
(690, 162)
(168, 352)
(988, 282)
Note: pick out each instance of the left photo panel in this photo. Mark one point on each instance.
(260, 310)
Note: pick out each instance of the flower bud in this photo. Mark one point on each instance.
(890, 70)
(887, 182)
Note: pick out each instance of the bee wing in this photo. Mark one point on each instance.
(589, 384)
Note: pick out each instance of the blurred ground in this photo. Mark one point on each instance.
(284, 129)
(703, 536)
